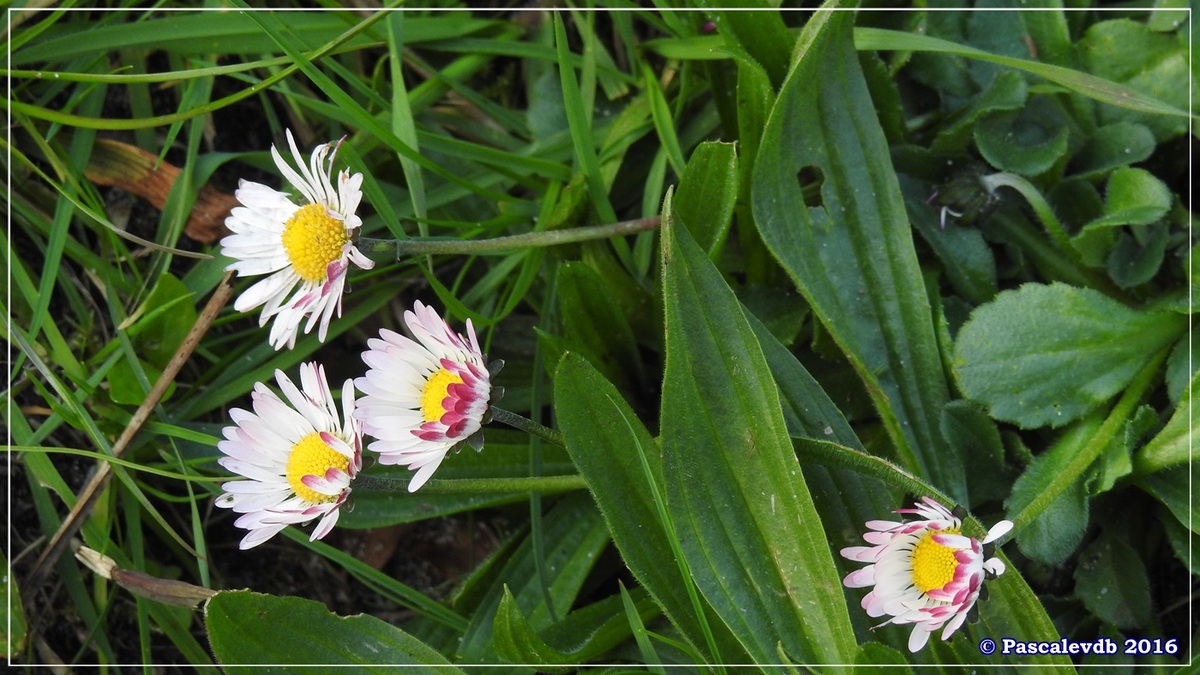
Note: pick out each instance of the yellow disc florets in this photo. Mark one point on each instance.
(933, 564)
(312, 239)
(435, 392)
(312, 456)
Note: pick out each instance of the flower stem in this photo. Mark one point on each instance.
(1036, 201)
(397, 249)
(1054, 227)
(527, 425)
(459, 486)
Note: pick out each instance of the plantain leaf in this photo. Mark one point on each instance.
(735, 493)
(853, 257)
(707, 193)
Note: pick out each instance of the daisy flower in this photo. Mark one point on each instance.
(297, 456)
(925, 572)
(303, 249)
(422, 396)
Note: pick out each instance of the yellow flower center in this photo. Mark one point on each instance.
(435, 392)
(312, 239)
(933, 564)
(311, 456)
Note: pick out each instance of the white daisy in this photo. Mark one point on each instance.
(299, 460)
(925, 572)
(306, 249)
(422, 397)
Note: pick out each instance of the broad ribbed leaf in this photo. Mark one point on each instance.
(253, 629)
(852, 257)
(1047, 354)
(735, 492)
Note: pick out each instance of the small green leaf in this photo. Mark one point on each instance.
(969, 430)
(1027, 141)
(1149, 63)
(596, 325)
(1182, 540)
(1052, 537)
(707, 193)
(1133, 197)
(125, 388)
(735, 493)
(877, 654)
(1046, 355)
(1054, 533)
(1115, 463)
(1172, 487)
(1181, 369)
(1171, 445)
(1007, 92)
(1138, 254)
(164, 321)
(1111, 146)
(1111, 581)
(249, 630)
(12, 615)
(584, 635)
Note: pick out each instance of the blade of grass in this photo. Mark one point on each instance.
(83, 503)
(580, 121)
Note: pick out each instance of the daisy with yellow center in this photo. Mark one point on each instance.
(303, 249)
(924, 572)
(298, 457)
(424, 396)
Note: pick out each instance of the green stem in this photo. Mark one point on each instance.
(392, 249)
(459, 486)
(1036, 201)
(1104, 436)
(1054, 227)
(527, 425)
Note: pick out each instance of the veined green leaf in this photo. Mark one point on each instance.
(707, 194)
(249, 629)
(1047, 354)
(852, 256)
(734, 487)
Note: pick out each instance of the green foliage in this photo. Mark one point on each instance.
(248, 629)
(876, 256)
(1046, 355)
